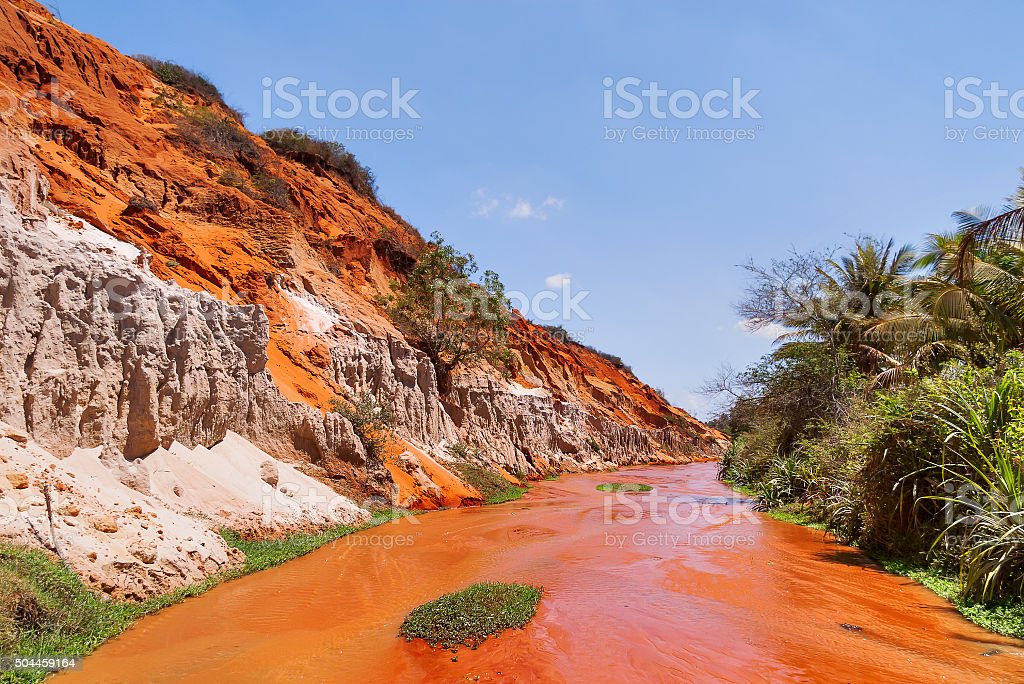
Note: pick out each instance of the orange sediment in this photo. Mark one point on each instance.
(716, 593)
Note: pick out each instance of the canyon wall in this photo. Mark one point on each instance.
(158, 321)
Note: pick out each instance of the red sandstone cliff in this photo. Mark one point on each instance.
(295, 271)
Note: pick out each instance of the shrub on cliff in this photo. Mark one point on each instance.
(452, 318)
(489, 482)
(186, 80)
(218, 135)
(327, 154)
(272, 189)
(371, 420)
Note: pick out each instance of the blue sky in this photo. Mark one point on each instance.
(508, 157)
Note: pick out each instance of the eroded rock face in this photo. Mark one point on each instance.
(523, 430)
(97, 351)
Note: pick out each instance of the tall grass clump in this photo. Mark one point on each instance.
(983, 484)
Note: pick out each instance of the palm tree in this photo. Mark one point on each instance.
(862, 289)
(966, 305)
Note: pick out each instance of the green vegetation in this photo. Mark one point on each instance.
(261, 554)
(492, 486)
(891, 410)
(186, 80)
(45, 608)
(469, 616)
(459, 450)
(218, 135)
(624, 487)
(557, 333)
(272, 190)
(371, 420)
(453, 319)
(328, 155)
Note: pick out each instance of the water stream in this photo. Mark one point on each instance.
(683, 584)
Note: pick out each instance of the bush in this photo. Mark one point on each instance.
(20, 608)
(983, 478)
(186, 80)
(140, 204)
(610, 358)
(624, 487)
(329, 155)
(273, 190)
(453, 319)
(371, 420)
(459, 451)
(218, 135)
(232, 179)
(493, 487)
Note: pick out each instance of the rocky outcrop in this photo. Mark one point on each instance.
(99, 352)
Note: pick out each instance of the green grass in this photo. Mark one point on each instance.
(794, 513)
(469, 616)
(1005, 618)
(67, 618)
(261, 554)
(71, 619)
(624, 487)
(492, 486)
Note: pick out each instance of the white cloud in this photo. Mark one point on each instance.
(772, 331)
(521, 210)
(552, 203)
(555, 281)
(514, 208)
(483, 204)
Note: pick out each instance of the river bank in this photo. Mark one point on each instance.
(1006, 619)
(729, 595)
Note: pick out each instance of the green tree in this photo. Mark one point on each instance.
(454, 319)
(371, 420)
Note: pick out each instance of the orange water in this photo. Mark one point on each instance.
(728, 596)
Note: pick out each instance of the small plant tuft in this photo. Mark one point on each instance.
(492, 486)
(186, 80)
(469, 616)
(624, 487)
